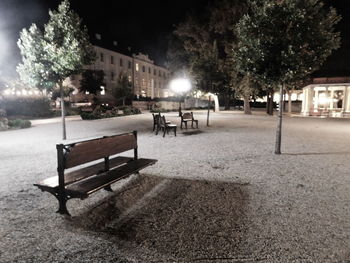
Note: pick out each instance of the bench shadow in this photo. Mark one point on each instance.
(175, 218)
(195, 132)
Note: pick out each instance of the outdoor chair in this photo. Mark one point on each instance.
(165, 126)
(186, 117)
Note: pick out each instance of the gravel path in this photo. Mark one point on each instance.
(216, 195)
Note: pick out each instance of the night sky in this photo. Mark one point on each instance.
(143, 25)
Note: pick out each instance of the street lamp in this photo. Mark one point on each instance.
(180, 86)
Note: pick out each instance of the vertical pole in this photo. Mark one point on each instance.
(135, 149)
(63, 112)
(279, 123)
(290, 102)
(208, 111)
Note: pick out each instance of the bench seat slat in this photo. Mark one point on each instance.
(92, 184)
(82, 173)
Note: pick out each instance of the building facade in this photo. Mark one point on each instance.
(329, 97)
(146, 78)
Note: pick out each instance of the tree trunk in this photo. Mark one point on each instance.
(227, 100)
(208, 111)
(269, 103)
(63, 113)
(289, 102)
(247, 109)
(279, 123)
(123, 102)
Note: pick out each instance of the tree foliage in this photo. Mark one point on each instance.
(59, 51)
(123, 89)
(91, 81)
(284, 41)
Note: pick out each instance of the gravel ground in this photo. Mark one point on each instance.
(218, 194)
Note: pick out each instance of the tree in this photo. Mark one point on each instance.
(203, 43)
(91, 81)
(61, 50)
(123, 89)
(281, 42)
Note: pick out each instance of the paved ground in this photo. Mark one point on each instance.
(217, 195)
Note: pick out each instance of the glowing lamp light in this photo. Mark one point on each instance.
(180, 85)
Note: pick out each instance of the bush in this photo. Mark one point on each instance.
(19, 123)
(31, 106)
(90, 116)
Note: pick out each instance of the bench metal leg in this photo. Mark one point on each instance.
(62, 202)
(108, 188)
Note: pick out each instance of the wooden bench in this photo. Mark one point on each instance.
(82, 182)
(186, 117)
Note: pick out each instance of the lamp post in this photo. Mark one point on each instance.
(180, 86)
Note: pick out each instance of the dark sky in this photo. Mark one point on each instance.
(143, 25)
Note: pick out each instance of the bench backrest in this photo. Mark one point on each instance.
(187, 116)
(91, 150)
(156, 118)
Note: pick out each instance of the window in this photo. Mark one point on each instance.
(137, 66)
(121, 62)
(103, 91)
(155, 72)
(112, 60)
(112, 75)
(143, 69)
(164, 74)
(129, 78)
(101, 57)
(149, 70)
(160, 73)
(87, 93)
(129, 64)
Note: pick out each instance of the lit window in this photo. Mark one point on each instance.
(121, 62)
(143, 93)
(103, 91)
(137, 66)
(129, 78)
(101, 57)
(112, 60)
(87, 93)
